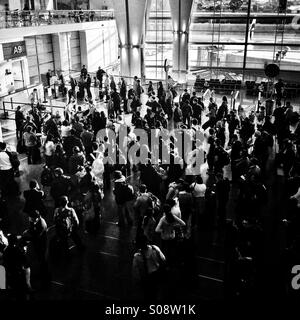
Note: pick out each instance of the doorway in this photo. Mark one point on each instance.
(18, 74)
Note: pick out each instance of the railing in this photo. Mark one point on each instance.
(22, 18)
(9, 108)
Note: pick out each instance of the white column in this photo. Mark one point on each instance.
(180, 12)
(130, 18)
(61, 51)
(90, 48)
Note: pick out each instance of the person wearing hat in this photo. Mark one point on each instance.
(121, 192)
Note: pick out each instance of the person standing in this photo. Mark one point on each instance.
(34, 199)
(88, 86)
(37, 234)
(120, 192)
(123, 93)
(30, 140)
(146, 268)
(198, 192)
(166, 227)
(66, 224)
(99, 76)
(6, 169)
(83, 71)
(48, 77)
(19, 120)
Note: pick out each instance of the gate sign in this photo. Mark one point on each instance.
(14, 50)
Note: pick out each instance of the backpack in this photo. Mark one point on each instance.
(63, 223)
(14, 160)
(46, 177)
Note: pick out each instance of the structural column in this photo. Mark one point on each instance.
(180, 12)
(62, 51)
(91, 49)
(130, 18)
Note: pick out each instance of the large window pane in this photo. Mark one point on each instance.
(288, 58)
(218, 30)
(159, 39)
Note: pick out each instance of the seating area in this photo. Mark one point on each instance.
(217, 85)
(252, 88)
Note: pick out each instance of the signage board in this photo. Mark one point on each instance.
(13, 50)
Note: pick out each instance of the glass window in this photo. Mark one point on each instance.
(159, 39)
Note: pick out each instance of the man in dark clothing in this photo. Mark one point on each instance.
(99, 76)
(187, 112)
(117, 102)
(233, 124)
(19, 119)
(71, 142)
(51, 128)
(48, 77)
(60, 186)
(143, 203)
(223, 109)
(76, 160)
(34, 199)
(88, 86)
(281, 127)
(84, 71)
(197, 110)
(17, 267)
(185, 96)
(66, 213)
(37, 234)
(87, 140)
(120, 192)
(279, 89)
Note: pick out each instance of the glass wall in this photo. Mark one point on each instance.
(39, 56)
(159, 39)
(228, 36)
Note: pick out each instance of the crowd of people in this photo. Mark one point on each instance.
(168, 206)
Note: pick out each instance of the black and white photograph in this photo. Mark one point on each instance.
(149, 155)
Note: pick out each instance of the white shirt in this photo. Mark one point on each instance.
(49, 148)
(176, 209)
(4, 161)
(198, 190)
(65, 131)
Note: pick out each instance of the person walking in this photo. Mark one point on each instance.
(67, 224)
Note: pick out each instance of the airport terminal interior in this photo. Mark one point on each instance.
(149, 149)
